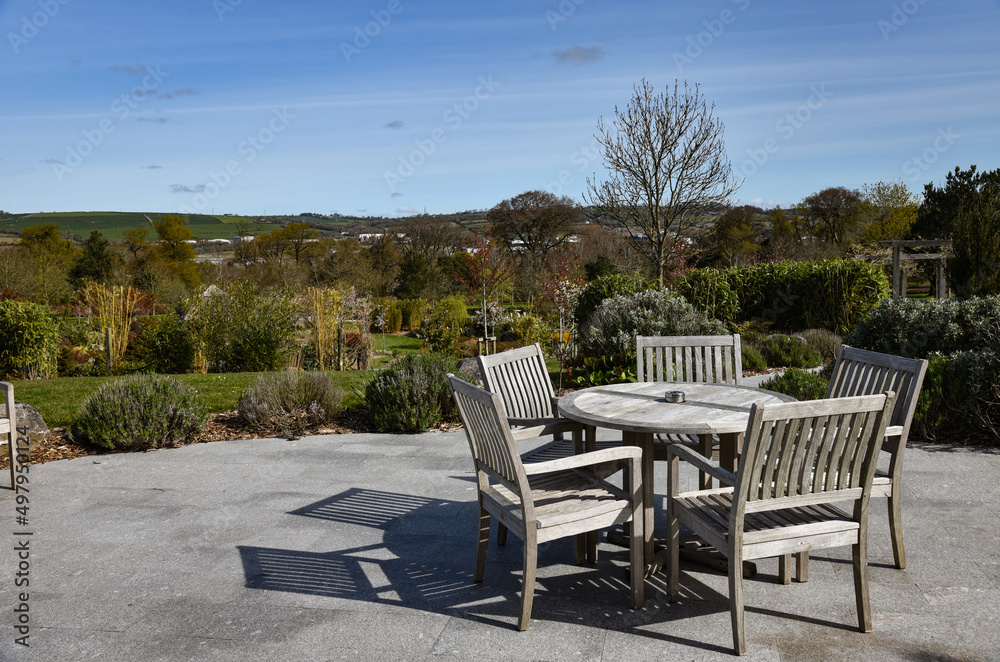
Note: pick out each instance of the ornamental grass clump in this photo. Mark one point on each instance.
(290, 401)
(412, 394)
(139, 412)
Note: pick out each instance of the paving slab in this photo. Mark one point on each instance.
(360, 547)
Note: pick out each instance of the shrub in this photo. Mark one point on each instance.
(445, 324)
(412, 312)
(823, 342)
(290, 400)
(584, 371)
(961, 340)
(753, 360)
(960, 396)
(604, 288)
(242, 329)
(780, 351)
(612, 328)
(831, 294)
(412, 394)
(29, 341)
(139, 412)
(529, 329)
(386, 316)
(709, 291)
(800, 384)
(164, 344)
(915, 329)
(394, 318)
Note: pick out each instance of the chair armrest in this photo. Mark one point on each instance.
(894, 431)
(702, 463)
(585, 460)
(529, 428)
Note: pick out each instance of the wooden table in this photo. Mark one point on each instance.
(641, 411)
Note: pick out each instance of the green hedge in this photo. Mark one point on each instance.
(831, 294)
(961, 340)
(29, 340)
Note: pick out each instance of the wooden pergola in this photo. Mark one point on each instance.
(898, 284)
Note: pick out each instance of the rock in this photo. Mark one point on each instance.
(469, 369)
(37, 429)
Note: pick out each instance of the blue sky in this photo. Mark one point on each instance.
(391, 107)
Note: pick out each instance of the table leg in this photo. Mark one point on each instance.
(644, 440)
(730, 446)
(705, 448)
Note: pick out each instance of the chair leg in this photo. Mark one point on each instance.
(637, 543)
(501, 534)
(673, 531)
(592, 538)
(11, 445)
(860, 558)
(896, 526)
(528, 581)
(736, 602)
(785, 569)
(483, 544)
(580, 548)
(802, 567)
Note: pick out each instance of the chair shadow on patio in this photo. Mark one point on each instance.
(425, 561)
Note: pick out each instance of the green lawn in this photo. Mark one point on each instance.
(398, 343)
(58, 400)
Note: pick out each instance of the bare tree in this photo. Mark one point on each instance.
(667, 167)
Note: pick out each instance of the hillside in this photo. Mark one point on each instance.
(79, 225)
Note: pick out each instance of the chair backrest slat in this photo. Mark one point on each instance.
(711, 359)
(810, 448)
(520, 378)
(862, 372)
(493, 449)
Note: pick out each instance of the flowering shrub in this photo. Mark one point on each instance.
(611, 329)
(290, 400)
(139, 412)
(412, 394)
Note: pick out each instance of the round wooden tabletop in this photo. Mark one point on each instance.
(643, 407)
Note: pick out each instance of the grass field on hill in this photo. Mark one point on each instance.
(113, 224)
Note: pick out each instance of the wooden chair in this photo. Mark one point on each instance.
(797, 460)
(710, 359)
(546, 500)
(707, 359)
(8, 427)
(520, 378)
(861, 372)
